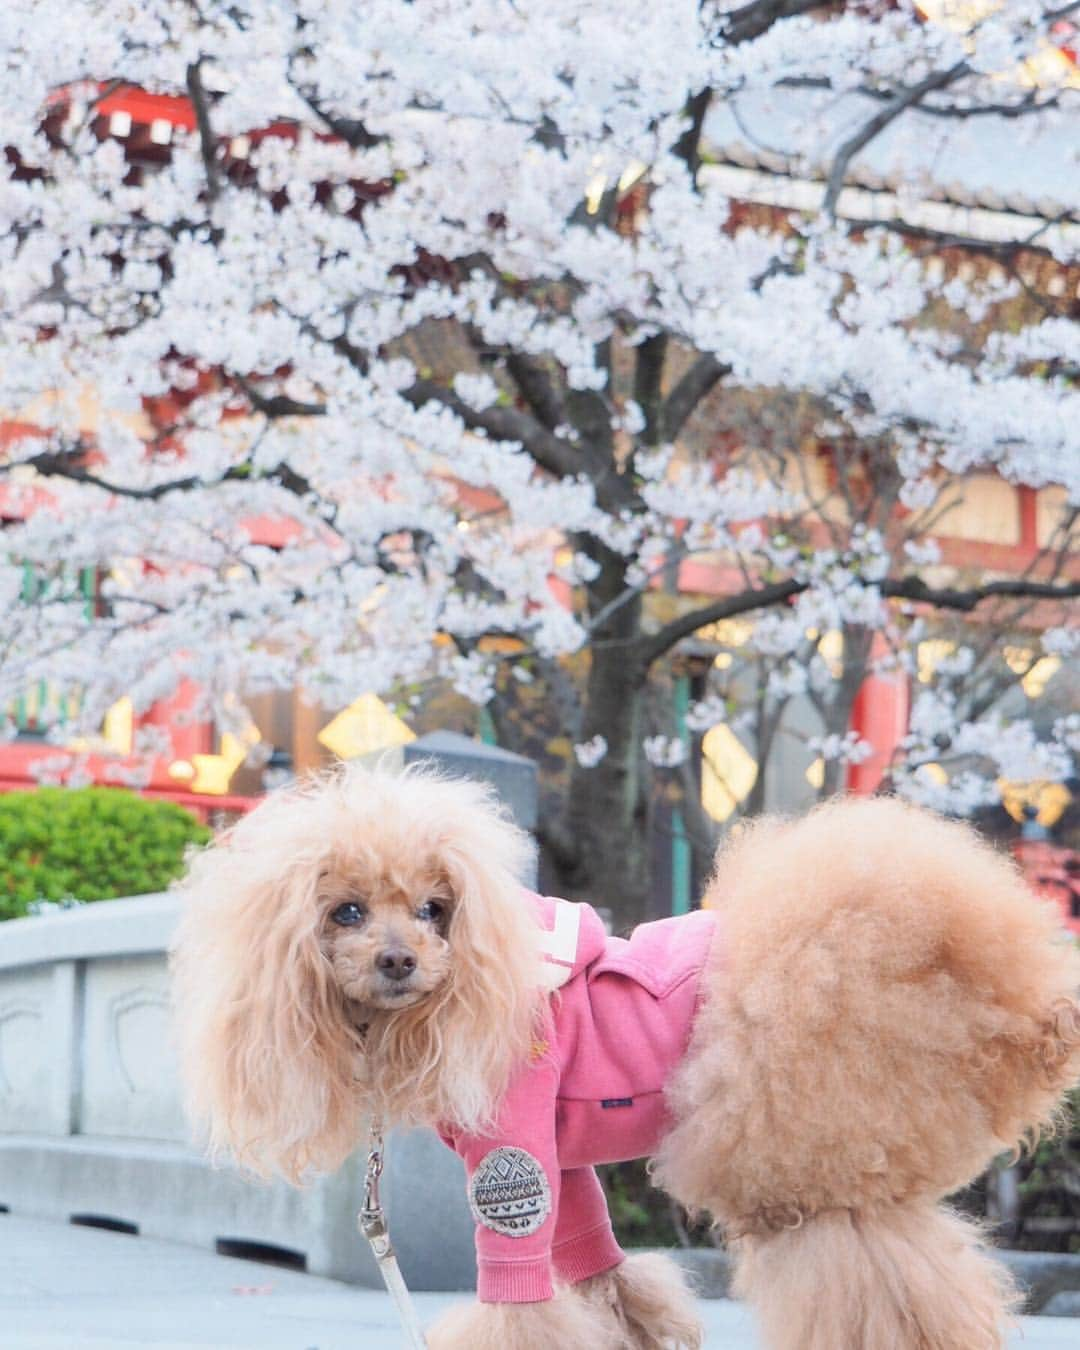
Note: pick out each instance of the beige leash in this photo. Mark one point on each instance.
(372, 1223)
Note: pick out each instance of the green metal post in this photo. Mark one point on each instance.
(680, 844)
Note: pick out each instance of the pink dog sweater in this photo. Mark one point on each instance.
(592, 1092)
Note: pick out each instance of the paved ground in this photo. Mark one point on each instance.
(64, 1288)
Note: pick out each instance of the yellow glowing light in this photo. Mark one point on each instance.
(723, 661)
(931, 653)
(831, 651)
(815, 774)
(117, 731)
(1033, 680)
(594, 193)
(371, 603)
(1048, 66)
(935, 773)
(363, 728)
(728, 771)
(212, 774)
(727, 632)
(119, 725)
(182, 770)
(630, 175)
(1047, 800)
(1039, 676)
(1017, 658)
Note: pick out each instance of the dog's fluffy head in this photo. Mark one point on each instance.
(359, 943)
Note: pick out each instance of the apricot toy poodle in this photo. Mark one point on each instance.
(868, 1008)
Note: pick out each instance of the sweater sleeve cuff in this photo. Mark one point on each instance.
(527, 1281)
(587, 1254)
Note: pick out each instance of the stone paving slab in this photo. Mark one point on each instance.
(67, 1288)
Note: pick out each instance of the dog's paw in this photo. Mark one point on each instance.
(565, 1322)
(650, 1302)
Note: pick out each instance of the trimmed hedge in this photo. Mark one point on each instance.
(88, 844)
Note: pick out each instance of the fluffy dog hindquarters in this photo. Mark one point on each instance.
(890, 1010)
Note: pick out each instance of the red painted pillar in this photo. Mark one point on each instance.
(880, 716)
(187, 736)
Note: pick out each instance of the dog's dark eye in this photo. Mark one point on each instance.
(349, 914)
(431, 911)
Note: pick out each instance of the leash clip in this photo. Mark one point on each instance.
(371, 1221)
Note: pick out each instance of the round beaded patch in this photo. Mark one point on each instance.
(509, 1193)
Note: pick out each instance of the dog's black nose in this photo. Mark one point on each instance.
(396, 963)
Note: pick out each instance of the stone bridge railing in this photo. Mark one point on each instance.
(92, 1130)
(91, 1125)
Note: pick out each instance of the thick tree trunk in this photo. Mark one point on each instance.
(605, 813)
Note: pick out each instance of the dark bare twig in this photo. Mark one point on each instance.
(1030, 103)
(913, 588)
(898, 104)
(279, 405)
(757, 17)
(207, 139)
(688, 146)
(351, 131)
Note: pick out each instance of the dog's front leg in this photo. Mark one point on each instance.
(565, 1322)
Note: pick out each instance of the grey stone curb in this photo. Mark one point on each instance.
(1050, 1281)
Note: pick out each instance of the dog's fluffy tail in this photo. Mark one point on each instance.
(912, 1277)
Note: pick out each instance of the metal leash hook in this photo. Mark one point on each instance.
(372, 1223)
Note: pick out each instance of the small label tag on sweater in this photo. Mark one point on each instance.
(608, 1102)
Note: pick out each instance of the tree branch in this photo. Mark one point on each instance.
(914, 588)
(648, 373)
(207, 140)
(557, 456)
(654, 645)
(688, 146)
(352, 132)
(279, 405)
(899, 103)
(757, 17)
(911, 588)
(1029, 104)
(537, 389)
(66, 465)
(699, 380)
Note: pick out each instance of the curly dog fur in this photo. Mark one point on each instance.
(888, 1009)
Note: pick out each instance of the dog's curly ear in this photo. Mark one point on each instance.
(268, 1056)
(494, 940)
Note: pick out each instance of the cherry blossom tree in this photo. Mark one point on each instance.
(445, 291)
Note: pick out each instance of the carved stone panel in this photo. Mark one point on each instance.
(129, 1085)
(26, 1064)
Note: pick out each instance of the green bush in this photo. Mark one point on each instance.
(88, 844)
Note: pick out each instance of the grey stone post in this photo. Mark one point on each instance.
(513, 777)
